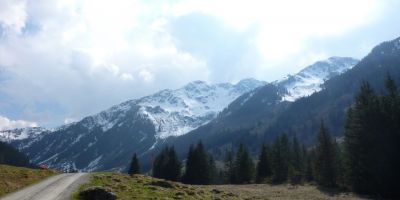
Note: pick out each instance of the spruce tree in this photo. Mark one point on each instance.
(280, 159)
(134, 166)
(372, 142)
(199, 166)
(325, 161)
(244, 166)
(296, 169)
(173, 166)
(229, 166)
(309, 165)
(264, 164)
(359, 141)
(166, 165)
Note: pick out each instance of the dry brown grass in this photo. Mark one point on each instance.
(281, 192)
(13, 178)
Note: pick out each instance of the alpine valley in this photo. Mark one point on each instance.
(221, 115)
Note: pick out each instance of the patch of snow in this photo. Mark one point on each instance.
(310, 79)
(21, 133)
(177, 112)
(93, 164)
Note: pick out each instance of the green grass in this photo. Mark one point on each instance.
(145, 187)
(13, 178)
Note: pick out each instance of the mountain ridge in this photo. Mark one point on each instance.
(146, 122)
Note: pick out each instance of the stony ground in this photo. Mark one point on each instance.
(144, 187)
(13, 178)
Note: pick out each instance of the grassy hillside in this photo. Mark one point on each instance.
(144, 187)
(13, 178)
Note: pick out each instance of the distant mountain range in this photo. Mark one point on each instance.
(221, 115)
(105, 141)
(97, 141)
(259, 116)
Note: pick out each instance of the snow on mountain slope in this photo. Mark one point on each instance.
(176, 112)
(311, 78)
(106, 140)
(21, 133)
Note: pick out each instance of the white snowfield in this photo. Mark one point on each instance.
(20, 133)
(310, 79)
(58, 187)
(176, 112)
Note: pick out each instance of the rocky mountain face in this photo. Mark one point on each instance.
(107, 140)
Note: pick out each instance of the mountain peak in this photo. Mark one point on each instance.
(311, 78)
(331, 66)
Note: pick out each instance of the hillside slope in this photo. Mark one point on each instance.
(144, 187)
(263, 115)
(107, 140)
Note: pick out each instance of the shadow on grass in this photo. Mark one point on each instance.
(330, 191)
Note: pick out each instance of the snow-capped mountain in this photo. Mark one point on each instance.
(107, 140)
(311, 78)
(176, 112)
(21, 133)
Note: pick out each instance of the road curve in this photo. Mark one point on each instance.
(57, 187)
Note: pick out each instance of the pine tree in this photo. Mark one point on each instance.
(296, 169)
(280, 159)
(173, 166)
(359, 141)
(325, 161)
(339, 164)
(229, 166)
(166, 165)
(199, 166)
(134, 166)
(372, 142)
(309, 165)
(263, 165)
(389, 143)
(244, 166)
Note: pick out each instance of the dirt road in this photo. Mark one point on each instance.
(57, 187)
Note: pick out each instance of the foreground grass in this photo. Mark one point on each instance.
(13, 178)
(144, 187)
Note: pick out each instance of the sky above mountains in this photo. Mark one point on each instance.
(62, 60)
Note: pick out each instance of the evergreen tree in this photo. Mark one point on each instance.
(296, 169)
(264, 164)
(244, 166)
(359, 141)
(173, 166)
(11, 156)
(280, 159)
(372, 142)
(325, 161)
(229, 166)
(309, 165)
(134, 166)
(339, 164)
(166, 165)
(199, 166)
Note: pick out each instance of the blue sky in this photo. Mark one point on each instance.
(63, 60)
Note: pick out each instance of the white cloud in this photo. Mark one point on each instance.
(77, 57)
(69, 120)
(13, 15)
(7, 124)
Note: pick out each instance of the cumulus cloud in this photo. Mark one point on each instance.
(13, 15)
(7, 124)
(70, 58)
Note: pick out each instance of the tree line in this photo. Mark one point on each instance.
(365, 161)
